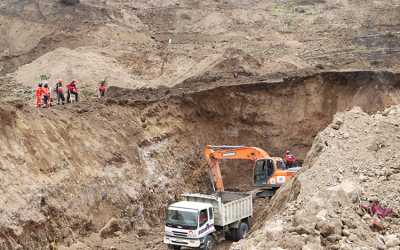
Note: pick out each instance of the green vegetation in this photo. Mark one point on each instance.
(291, 25)
(274, 14)
(89, 93)
(45, 77)
(172, 28)
(310, 2)
(328, 64)
(185, 16)
(350, 48)
(69, 2)
(55, 19)
(202, 43)
(187, 49)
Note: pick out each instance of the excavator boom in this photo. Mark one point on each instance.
(229, 152)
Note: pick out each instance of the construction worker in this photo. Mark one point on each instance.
(39, 93)
(46, 95)
(71, 86)
(235, 75)
(289, 159)
(59, 91)
(102, 88)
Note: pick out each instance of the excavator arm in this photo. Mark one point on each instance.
(229, 152)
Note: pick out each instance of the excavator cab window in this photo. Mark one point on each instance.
(259, 171)
(280, 165)
(270, 168)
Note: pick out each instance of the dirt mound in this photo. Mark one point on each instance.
(353, 162)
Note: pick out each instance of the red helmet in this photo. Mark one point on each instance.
(287, 152)
(74, 81)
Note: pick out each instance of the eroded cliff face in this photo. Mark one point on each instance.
(69, 170)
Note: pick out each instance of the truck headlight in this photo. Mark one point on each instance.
(191, 236)
(170, 233)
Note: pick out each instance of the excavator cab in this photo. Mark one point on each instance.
(263, 170)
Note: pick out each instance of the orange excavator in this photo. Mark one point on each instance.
(269, 173)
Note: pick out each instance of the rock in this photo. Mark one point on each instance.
(388, 172)
(325, 228)
(346, 135)
(301, 230)
(142, 119)
(95, 239)
(118, 233)
(327, 198)
(382, 178)
(143, 232)
(362, 178)
(351, 188)
(345, 246)
(349, 223)
(346, 232)
(331, 238)
(338, 225)
(353, 237)
(391, 240)
(156, 241)
(274, 233)
(375, 223)
(111, 227)
(338, 121)
(335, 126)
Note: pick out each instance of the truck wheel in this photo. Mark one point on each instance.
(209, 243)
(242, 230)
(234, 234)
(177, 247)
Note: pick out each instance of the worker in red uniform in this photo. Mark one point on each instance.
(46, 95)
(71, 86)
(289, 159)
(39, 93)
(235, 75)
(59, 91)
(102, 88)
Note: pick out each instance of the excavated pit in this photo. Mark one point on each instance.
(66, 172)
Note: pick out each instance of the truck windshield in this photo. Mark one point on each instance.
(185, 218)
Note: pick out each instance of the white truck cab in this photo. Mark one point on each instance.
(202, 220)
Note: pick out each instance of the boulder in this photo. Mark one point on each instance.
(328, 198)
(338, 225)
(111, 227)
(391, 240)
(325, 228)
(274, 233)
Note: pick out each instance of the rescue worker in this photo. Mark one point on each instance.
(235, 75)
(39, 93)
(71, 86)
(102, 88)
(46, 95)
(59, 91)
(289, 159)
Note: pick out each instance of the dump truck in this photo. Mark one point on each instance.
(202, 220)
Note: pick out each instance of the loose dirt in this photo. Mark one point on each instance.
(95, 173)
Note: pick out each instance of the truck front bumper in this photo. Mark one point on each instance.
(182, 241)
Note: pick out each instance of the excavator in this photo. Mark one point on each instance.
(269, 173)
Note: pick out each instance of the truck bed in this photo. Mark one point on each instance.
(229, 207)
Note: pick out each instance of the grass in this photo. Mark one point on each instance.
(89, 93)
(187, 49)
(185, 16)
(274, 14)
(350, 48)
(172, 28)
(202, 43)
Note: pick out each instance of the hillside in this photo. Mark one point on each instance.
(95, 173)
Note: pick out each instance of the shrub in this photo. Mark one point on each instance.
(172, 28)
(45, 77)
(69, 2)
(185, 16)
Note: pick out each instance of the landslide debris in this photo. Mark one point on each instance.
(354, 161)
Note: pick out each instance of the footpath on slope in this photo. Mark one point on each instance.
(354, 161)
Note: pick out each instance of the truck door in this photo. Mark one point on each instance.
(205, 222)
(263, 170)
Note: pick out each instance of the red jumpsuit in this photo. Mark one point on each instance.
(39, 93)
(71, 86)
(102, 89)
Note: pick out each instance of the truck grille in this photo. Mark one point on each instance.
(180, 234)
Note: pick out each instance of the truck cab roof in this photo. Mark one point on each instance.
(191, 205)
